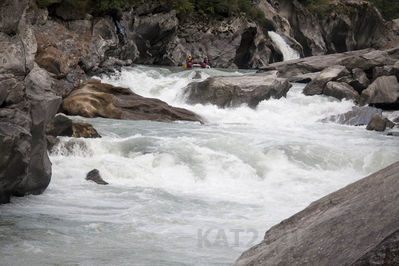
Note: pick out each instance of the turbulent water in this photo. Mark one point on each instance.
(288, 52)
(184, 193)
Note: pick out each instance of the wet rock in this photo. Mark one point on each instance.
(96, 99)
(383, 93)
(234, 91)
(377, 123)
(396, 120)
(340, 91)
(389, 123)
(356, 225)
(62, 125)
(317, 85)
(393, 133)
(94, 175)
(197, 75)
(358, 116)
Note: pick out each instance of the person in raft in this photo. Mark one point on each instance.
(205, 63)
(189, 62)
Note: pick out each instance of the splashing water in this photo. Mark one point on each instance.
(184, 193)
(286, 50)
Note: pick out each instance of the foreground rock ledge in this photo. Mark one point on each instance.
(357, 225)
(96, 99)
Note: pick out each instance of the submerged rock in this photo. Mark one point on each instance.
(94, 175)
(358, 116)
(356, 225)
(96, 99)
(234, 91)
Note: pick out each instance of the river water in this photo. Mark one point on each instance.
(183, 193)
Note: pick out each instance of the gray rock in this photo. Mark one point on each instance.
(383, 71)
(317, 85)
(44, 105)
(396, 69)
(104, 39)
(10, 14)
(393, 133)
(358, 116)
(383, 92)
(340, 91)
(360, 80)
(377, 123)
(94, 175)
(12, 55)
(356, 225)
(234, 91)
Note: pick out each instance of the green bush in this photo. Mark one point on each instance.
(46, 3)
(388, 8)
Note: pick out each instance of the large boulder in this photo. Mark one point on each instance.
(358, 116)
(317, 85)
(96, 99)
(234, 91)
(383, 93)
(340, 91)
(356, 225)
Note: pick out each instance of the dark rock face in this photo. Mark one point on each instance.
(164, 39)
(344, 26)
(61, 125)
(96, 99)
(94, 175)
(339, 229)
(234, 91)
(358, 116)
(27, 104)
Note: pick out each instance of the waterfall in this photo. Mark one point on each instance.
(286, 50)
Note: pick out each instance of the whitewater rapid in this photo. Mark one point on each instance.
(184, 193)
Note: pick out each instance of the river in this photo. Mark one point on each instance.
(184, 193)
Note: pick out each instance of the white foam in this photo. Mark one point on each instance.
(288, 52)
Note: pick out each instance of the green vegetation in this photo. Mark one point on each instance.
(389, 8)
(183, 8)
(223, 8)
